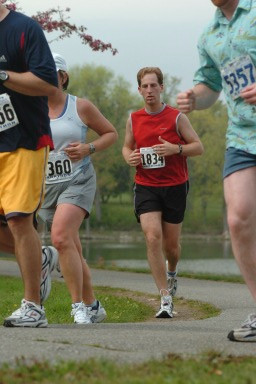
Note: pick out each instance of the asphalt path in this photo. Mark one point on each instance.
(136, 342)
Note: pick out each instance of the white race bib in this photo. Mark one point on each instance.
(8, 117)
(238, 74)
(150, 159)
(59, 167)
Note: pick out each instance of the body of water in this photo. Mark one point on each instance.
(198, 256)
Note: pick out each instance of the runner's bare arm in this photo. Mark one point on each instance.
(28, 84)
(129, 151)
(199, 97)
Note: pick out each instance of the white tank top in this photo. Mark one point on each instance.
(67, 128)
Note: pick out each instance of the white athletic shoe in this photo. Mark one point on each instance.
(16, 314)
(49, 262)
(97, 314)
(166, 307)
(247, 332)
(80, 313)
(28, 315)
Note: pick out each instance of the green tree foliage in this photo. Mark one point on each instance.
(113, 96)
(170, 91)
(206, 171)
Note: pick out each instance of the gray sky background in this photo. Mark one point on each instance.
(162, 33)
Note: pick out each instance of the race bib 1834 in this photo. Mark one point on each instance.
(150, 159)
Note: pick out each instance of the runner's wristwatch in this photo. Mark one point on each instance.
(91, 148)
(3, 76)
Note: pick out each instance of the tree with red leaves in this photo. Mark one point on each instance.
(56, 20)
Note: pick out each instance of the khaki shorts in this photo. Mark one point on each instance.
(22, 177)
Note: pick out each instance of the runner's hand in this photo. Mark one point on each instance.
(186, 101)
(76, 151)
(166, 148)
(249, 94)
(134, 158)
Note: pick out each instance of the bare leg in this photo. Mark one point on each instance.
(171, 244)
(87, 290)
(240, 192)
(151, 224)
(65, 237)
(28, 254)
(6, 239)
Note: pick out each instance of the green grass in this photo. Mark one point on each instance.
(120, 308)
(208, 368)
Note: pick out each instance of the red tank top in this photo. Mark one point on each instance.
(147, 128)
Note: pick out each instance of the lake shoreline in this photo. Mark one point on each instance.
(137, 236)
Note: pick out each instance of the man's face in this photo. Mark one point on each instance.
(150, 89)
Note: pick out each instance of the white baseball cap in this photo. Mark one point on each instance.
(60, 62)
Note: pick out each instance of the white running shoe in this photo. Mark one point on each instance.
(16, 314)
(166, 307)
(247, 332)
(97, 314)
(49, 262)
(28, 315)
(80, 313)
(172, 282)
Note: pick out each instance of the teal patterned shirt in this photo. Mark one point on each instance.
(221, 43)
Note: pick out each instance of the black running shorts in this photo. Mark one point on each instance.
(171, 201)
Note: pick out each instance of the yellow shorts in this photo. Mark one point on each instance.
(22, 180)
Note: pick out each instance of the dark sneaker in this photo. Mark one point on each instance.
(247, 332)
(80, 313)
(28, 315)
(97, 313)
(49, 262)
(166, 307)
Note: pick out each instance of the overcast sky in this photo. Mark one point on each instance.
(161, 33)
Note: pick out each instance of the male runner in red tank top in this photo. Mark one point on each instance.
(157, 142)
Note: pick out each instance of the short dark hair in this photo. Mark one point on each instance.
(146, 70)
(65, 85)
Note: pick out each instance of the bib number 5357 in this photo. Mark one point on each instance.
(238, 74)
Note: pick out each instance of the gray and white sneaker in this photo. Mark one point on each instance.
(172, 282)
(166, 307)
(28, 315)
(97, 313)
(49, 262)
(80, 313)
(247, 332)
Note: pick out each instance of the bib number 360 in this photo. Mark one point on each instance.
(59, 167)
